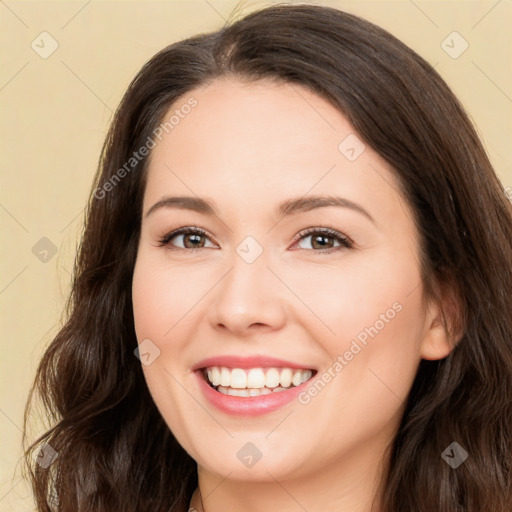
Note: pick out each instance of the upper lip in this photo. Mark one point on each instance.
(257, 361)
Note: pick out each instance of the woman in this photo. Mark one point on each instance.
(293, 287)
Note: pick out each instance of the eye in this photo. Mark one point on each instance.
(190, 237)
(321, 239)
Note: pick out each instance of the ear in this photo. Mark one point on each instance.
(435, 343)
(443, 327)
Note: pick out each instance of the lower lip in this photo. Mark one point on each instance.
(248, 406)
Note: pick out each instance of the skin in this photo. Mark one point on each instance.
(247, 147)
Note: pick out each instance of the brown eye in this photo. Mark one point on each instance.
(190, 238)
(325, 240)
(322, 240)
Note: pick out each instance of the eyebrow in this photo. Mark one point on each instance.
(286, 208)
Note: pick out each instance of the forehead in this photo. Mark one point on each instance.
(255, 144)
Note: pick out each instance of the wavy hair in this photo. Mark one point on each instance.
(115, 451)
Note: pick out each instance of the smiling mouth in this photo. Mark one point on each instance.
(249, 382)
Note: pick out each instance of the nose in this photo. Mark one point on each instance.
(248, 298)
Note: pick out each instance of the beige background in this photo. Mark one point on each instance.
(56, 110)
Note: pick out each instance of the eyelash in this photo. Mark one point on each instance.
(345, 242)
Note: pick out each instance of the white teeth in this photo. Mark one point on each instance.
(272, 378)
(297, 378)
(255, 381)
(246, 392)
(306, 375)
(238, 392)
(286, 377)
(225, 377)
(238, 378)
(214, 376)
(256, 378)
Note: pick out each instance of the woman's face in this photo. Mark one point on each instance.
(256, 298)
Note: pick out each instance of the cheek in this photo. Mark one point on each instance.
(378, 363)
(358, 294)
(368, 376)
(372, 325)
(159, 301)
(158, 297)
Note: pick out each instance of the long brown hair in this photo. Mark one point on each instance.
(115, 452)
